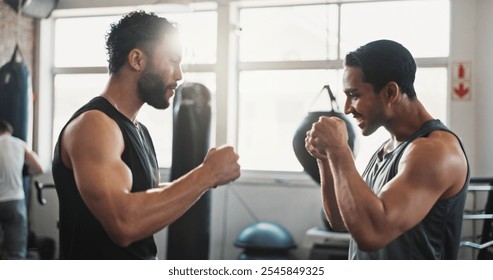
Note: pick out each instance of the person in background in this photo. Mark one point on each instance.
(409, 202)
(14, 155)
(105, 167)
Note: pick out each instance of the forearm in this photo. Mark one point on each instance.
(360, 209)
(142, 214)
(331, 207)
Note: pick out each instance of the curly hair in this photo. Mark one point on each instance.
(137, 29)
(385, 61)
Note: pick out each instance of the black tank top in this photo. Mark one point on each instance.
(81, 235)
(438, 235)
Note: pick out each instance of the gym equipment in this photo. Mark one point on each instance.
(265, 241)
(14, 96)
(484, 242)
(308, 162)
(188, 236)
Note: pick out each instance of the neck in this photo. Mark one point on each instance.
(123, 96)
(408, 118)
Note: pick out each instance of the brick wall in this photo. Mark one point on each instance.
(8, 35)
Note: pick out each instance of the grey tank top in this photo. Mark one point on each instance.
(438, 235)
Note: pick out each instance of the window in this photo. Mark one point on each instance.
(288, 53)
(79, 51)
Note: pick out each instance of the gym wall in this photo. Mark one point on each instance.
(8, 34)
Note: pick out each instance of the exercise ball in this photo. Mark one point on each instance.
(265, 240)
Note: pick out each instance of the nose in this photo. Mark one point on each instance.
(347, 106)
(178, 74)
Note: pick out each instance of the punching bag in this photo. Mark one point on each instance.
(188, 236)
(308, 162)
(15, 100)
(14, 96)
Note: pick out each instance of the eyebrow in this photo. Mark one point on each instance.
(350, 90)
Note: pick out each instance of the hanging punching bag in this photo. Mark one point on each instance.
(14, 96)
(188, 236)
(15, 100)
(308, 162)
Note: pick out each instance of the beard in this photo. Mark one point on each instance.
(152, 89)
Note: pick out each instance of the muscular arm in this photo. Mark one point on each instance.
(92, 147)
(430, 169)
(329, 200)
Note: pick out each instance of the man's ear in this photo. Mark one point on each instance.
(391, 92)
(137, 59)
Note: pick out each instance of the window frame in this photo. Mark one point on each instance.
(227, 67)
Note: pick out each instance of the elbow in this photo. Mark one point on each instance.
(369, 242)
(369, 246)
(121, 234)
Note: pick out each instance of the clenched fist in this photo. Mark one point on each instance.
(222, 163)
(327, 134)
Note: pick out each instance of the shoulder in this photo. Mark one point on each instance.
(437, 157)
(438, 144)
(92, 128)
(93, 122)
(17, 142)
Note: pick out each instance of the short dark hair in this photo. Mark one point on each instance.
(135, 30)
(5, 126)
(385, 61)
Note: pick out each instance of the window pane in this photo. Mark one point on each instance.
(431, 89)
(199, 35)
(421, 26)
(271, 113)
(288, 33)
(76, 47)
(71, 92)
(80, 42)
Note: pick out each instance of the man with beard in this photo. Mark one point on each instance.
(105, 168)
(409, 202)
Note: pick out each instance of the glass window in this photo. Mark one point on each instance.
(80, 42)
(272, 106)
(422, 26)
(75, 47)
(273, 103)
(289, 33)
(71, 92)
(199, 35)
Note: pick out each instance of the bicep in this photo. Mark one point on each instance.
(94, 145)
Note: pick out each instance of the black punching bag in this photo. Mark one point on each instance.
(14, 95)
(188, 237)
(15, 100)
(308, 162)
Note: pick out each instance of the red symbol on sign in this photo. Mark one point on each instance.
(461, 91)
(462, 71)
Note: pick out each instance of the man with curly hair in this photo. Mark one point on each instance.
(105, 168)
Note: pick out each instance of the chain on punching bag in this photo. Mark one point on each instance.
(188, 237)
